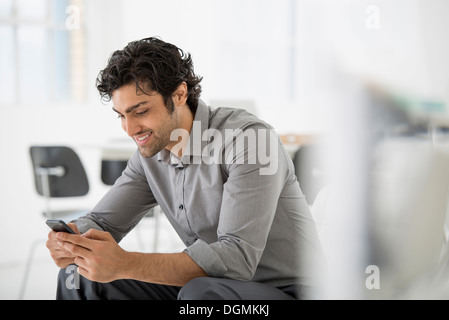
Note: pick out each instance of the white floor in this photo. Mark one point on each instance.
(41, 284)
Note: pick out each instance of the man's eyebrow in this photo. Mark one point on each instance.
(132, 107)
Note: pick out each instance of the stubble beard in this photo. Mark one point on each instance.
(160, 139)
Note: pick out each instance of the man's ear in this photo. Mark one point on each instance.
(180, 95)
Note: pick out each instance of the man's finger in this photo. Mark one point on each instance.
(74, 227)
(74, 249)
(80, 262)
(97, 235)
(52, 235)
(64, 262)
(83, 272)
(75, 239)
(57, 250)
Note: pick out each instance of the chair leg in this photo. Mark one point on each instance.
(156, 228)
(140, 239)
(28, 268)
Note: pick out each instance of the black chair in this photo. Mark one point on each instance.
(111, 170)
(58, 173)
(309, 169)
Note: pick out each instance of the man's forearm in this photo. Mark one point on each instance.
(174, 269)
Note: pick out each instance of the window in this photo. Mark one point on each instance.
(42, 52)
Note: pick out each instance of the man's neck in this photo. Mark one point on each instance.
(185, 121)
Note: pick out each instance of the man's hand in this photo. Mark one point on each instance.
(98, 256)
(60, 256)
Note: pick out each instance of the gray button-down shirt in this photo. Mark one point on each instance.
(233, 198)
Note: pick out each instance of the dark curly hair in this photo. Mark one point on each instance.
(154, 65)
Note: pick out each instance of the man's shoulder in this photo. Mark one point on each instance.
(222, 118)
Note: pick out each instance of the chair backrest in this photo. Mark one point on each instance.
(111, 170)
(309, 170)
(63, 168)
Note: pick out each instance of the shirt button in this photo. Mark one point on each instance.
(181, 207)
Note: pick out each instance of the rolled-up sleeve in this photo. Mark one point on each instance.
(207, 258)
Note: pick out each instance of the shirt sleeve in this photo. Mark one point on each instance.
(256, 178)
(124, 205)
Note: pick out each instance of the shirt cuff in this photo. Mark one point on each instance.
(84, 224)
(206, 258)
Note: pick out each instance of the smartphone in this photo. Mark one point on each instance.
(59, 226)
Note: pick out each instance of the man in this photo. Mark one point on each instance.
(222, 178)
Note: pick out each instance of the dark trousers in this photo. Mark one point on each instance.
(72, 286)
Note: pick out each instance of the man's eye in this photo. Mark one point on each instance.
(141, 113)
(120, 116)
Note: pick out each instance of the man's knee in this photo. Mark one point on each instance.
(208, 288)
(68, 283)
(203, 288)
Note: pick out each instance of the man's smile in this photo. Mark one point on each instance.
(142, 139)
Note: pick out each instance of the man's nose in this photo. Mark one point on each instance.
(131, 127)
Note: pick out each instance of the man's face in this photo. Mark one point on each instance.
(144, 118)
